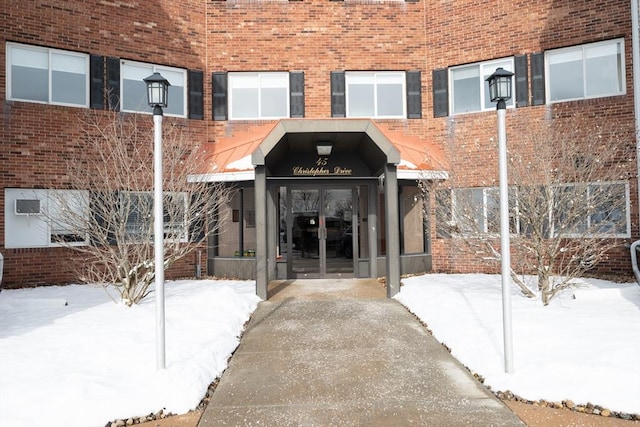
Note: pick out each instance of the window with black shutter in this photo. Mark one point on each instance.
(414, 95)
(96, 94)
(196, 106)
(219, 90)
(296, 94)
(440, 92)
(469, 89)
(537, 79)
(376, 94)
(258, 95)
(113, 83)
(522, 81)
(338, 99)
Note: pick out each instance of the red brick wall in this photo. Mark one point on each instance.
(315, 36)
(37, 141)
(505, 29)
(52, 266)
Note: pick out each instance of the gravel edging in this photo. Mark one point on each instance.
(569, 405)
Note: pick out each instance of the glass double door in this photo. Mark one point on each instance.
(320, 230)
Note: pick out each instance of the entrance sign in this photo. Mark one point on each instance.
(321, 168)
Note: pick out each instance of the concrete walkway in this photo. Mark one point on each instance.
(339, 353)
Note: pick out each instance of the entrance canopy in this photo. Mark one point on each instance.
(333, 166)
(279, 145)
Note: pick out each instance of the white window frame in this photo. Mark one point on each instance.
(484, 70)
(39, 230)
(184, 234)
(137, 71)
(483, 213)
(580, 51)
(373, 78)
(51, 55)
(514, 220)
(588, 219)
(59, 202)
(257, 81)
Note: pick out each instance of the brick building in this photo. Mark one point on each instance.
(384, 85)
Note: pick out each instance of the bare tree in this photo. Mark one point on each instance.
(568, 202)
(109, 217)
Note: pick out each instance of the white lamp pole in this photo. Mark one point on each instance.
(500, 92)
(157, 90)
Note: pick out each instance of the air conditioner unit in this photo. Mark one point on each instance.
(28, 207)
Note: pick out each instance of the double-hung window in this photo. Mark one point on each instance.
(51, 76)
(469, 89)
(587, 71)
(134, 90)
(258, 95)
(375, 94)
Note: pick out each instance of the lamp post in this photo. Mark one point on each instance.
(157, 91)
(500, 92)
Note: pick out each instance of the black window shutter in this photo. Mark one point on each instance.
(414, 95)
(196, 106)
(338, 96)
(113, 83)
(296, 94)
(96, 84)
(537, 79)
(440, 92)
(219, 90)
(522, 81)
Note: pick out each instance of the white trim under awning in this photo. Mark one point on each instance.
(422, 174)
(223, 177)
(251, 176)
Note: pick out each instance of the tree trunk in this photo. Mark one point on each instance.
(523, 287)
(544, 284)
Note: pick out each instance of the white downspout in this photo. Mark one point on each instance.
(635, 42)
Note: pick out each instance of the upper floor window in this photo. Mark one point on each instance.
(469, 89)
(134, 91)
(258, 95)
(587, 71)
(375, 94)
(51, 76)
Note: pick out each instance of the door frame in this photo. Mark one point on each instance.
(321, 272)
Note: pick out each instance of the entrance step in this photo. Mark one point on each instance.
(319, 289)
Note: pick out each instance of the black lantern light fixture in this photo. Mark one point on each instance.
(157, 90)
(500, 86)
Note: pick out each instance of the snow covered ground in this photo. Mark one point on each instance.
(70, 356)
(584, 346)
